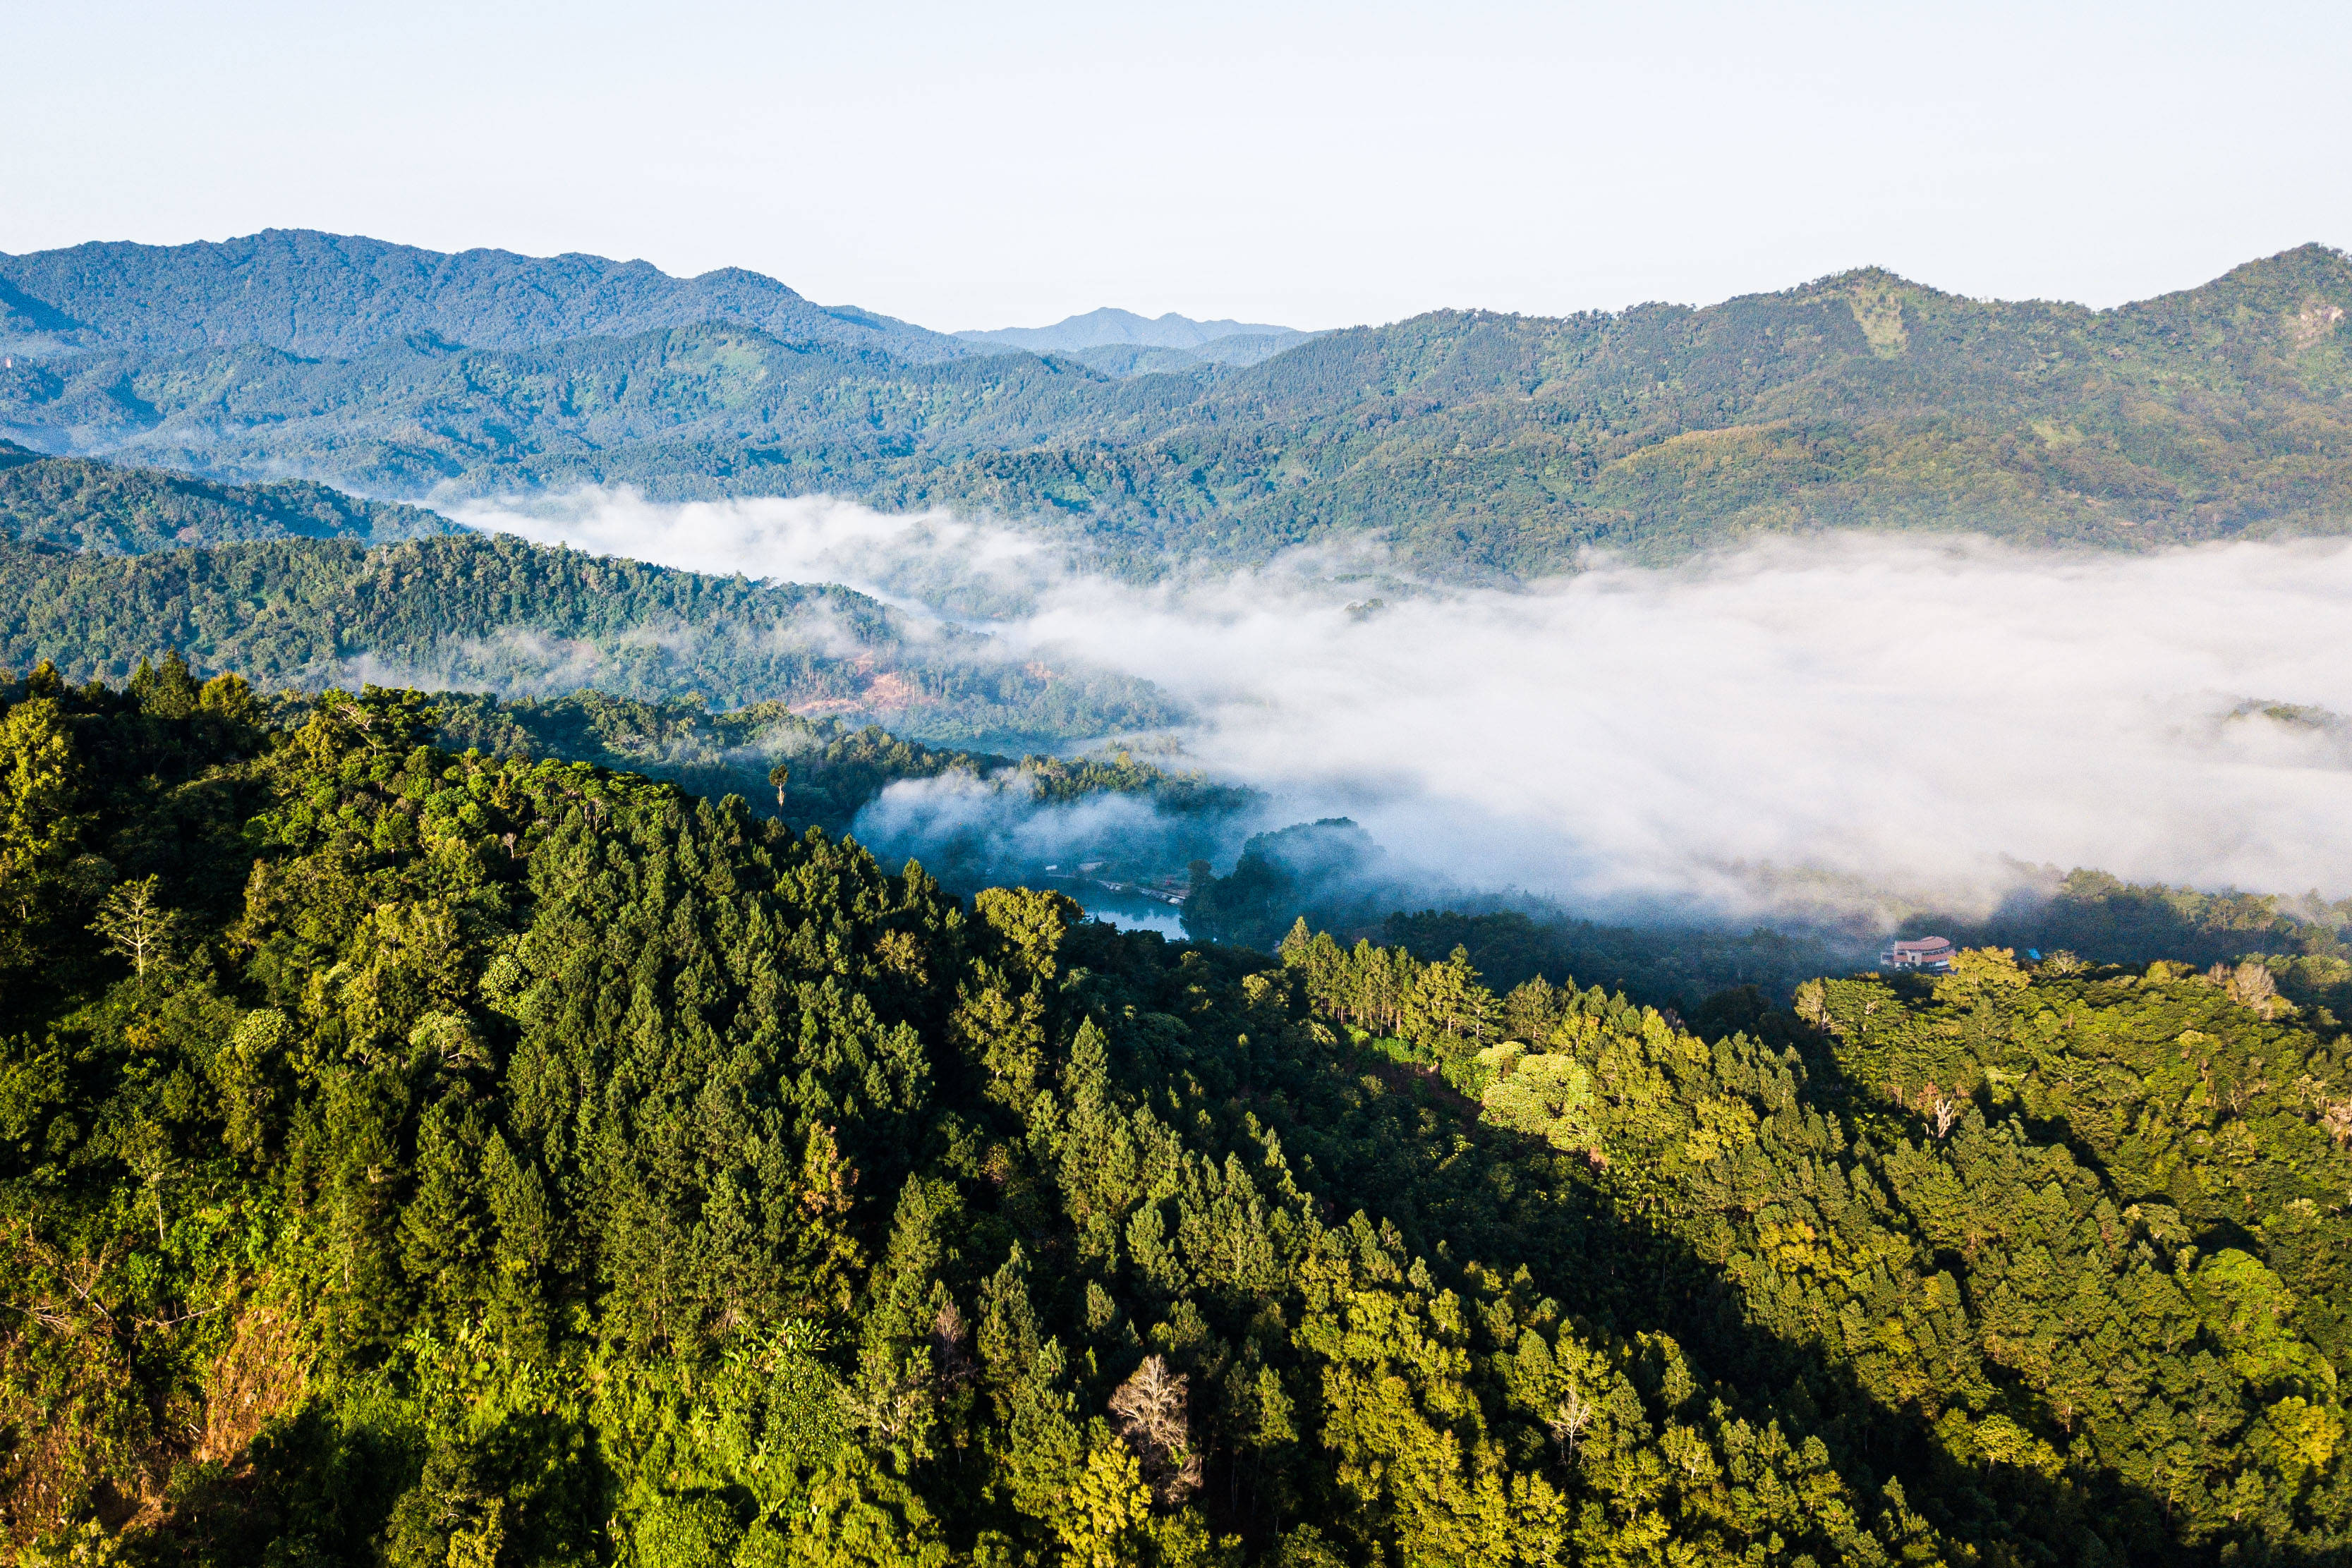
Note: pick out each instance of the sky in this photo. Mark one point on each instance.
(1313, 164)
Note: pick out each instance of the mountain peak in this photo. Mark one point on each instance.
(2293, 302)
(2313, 267)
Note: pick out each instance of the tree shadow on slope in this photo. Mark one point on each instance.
(1623, 1259)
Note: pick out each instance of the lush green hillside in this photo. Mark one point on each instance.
(334, 296)
(1136, 359)
(82, 504)
(413, 1158)
(476, 611)
(1484, 441)
(1142, 360)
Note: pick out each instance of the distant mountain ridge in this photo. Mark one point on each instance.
(1108, 325)
(1242, 348)
(326, 295)
(1480, 442)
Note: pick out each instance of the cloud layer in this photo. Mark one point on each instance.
(1902, 711)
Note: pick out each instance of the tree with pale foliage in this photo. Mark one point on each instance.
(1150, 1413)
(136, 926)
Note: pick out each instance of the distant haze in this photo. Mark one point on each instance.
(1110, 325)
(1881, 712)
(1121, 343)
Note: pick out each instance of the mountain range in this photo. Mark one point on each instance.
(325, 295)
(1480, 443)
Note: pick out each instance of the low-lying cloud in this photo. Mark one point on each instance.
(1909, 712)
(923, 561)
(998, 824)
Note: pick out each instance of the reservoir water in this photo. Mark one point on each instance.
(1132, 912)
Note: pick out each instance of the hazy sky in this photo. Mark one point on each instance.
(978, 166)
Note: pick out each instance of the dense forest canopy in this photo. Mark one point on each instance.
(1483, 442)
(411, 1156)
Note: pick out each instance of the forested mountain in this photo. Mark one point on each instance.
(410, 1157)
(1223, 341)
(1124, 359)
(334, 296)
(491, 612)
(1136, 359)
(1110, 325)
(1485, 442)
(77, 503)
(692, 410)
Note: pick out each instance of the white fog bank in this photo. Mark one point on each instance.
(1904, 710)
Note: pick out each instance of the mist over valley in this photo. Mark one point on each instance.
(1796, 728)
